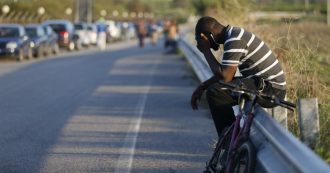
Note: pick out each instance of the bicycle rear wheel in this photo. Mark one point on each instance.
(244, 158)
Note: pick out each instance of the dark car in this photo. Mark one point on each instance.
(65, 31)
(14, 42)
(52, 38)
(39, 39)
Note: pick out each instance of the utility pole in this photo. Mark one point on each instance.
(83, 11)
(306, 5)
(328, 12)
(76, 11)
(89, 11)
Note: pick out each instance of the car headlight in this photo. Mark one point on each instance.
(11, 45)
(32, 44)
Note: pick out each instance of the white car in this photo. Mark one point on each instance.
(113, 31)
(92, 33)
(81, 31)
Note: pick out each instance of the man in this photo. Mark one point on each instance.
(244, 51)
(141, 31)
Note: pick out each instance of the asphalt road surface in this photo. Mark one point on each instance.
(122, 110)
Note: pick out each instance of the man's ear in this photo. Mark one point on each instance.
(203, 36)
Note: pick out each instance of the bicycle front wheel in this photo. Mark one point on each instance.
(244, 158)
(219, 158)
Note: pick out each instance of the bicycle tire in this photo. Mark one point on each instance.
(219, 161)
(244, 158)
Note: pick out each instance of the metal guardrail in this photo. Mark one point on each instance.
(277, 149)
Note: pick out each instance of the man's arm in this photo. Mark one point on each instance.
(204, 46)
(225, 73)
(213, 63)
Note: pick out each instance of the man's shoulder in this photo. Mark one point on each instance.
(237, 33)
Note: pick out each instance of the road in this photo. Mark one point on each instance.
(123, 110)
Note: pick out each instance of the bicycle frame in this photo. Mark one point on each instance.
(240, 134)
(236, 135)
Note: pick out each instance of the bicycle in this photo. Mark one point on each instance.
(234, 151)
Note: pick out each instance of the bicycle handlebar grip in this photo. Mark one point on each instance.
(288, 103)
(287, 107)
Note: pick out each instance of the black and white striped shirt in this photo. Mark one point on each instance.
(252, 56)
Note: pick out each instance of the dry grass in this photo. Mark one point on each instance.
(303, 49)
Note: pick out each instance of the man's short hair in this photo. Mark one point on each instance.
(206, 24)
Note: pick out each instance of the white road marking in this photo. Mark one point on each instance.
(125, 160)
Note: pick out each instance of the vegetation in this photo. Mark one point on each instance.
(302, 48)
(291, 5)
(53, 9)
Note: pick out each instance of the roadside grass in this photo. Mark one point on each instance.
(303, 49)
(292, 6)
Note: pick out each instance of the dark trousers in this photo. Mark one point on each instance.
(221, 101)
(141, 40)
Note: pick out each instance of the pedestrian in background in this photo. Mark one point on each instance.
(141, 31)
(101, 32)
(166, 27)
(154, 32)
(173, 36)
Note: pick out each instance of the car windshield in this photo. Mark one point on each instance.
(58, 27)
(78, 27)
(8, 32)
(31, 32)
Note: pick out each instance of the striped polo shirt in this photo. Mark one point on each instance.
(252, 56)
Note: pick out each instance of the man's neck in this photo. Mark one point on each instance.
(222, 35)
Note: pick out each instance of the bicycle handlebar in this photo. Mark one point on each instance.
(272, 98)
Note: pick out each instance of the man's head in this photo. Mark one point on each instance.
(210, 28)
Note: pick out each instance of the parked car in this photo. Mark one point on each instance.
(82, 32)
(113, 31)
(14, 42)
(92, 33)
(52, 38)
(39, 39)
(128, 30)
(65, 31)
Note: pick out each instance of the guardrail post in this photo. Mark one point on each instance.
(281, 116)
(309, 121)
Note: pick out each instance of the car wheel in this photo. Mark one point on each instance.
(39, 52)
(20, 56)
(79, 46)
(71, 46)
(56, 49)
(48, 51)
(45, 50)
(30, 54)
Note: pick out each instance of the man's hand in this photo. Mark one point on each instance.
(203, 43)
(196, 96)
